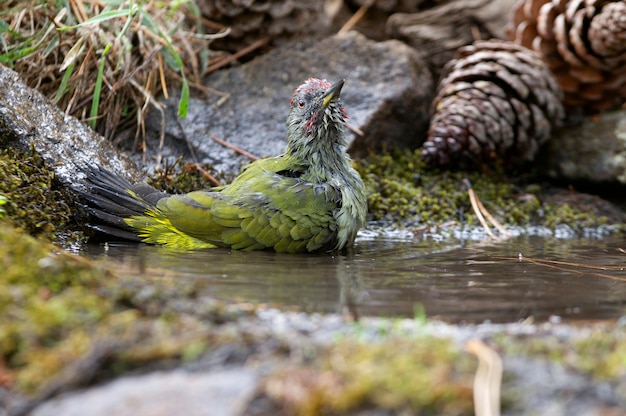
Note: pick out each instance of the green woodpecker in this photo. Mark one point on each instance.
(307, 199)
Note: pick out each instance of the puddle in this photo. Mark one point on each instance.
(395, 276)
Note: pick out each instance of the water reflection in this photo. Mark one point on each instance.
(390, 277)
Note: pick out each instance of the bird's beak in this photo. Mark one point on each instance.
(333, 93)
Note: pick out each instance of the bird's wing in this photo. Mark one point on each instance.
(262, 209)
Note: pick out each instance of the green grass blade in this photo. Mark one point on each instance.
(183, 104)
(64, 86)
(173, 60)
(95, 102)
(51, 46)
(131, 14)
(103, 17)
(26, 47)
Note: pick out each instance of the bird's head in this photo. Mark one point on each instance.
(317, 114)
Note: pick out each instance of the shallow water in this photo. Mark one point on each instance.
(396, 275)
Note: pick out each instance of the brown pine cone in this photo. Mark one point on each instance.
(251, 20)
(497, 102)
(584, 44)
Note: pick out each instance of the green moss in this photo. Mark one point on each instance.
(401, 189)
(423, 375)
(33, 199)
(566, 214)
(599, 352)
(58, 310)
(44, 295)
(610, 345)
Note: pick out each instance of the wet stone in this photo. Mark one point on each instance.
(591, 152)
(387, 95)
(27, 118)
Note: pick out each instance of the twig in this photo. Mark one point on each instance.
(205, 173)
(475, 30)
(162, 76)
(354, 129)
(566, 263)
(204, 89)
(488, 379)
(225, 31)
(353, 20)
(235, 148)
(553, 265)
(239, 54)
(79, 10)
(206, 22)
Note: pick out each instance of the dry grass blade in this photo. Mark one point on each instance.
(491, 218)
(477, 211)
(482, 212)
(488, 379)
(354, 19)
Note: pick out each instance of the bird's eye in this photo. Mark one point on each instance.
(301, 103)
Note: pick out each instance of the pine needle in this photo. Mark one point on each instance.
(482, 212)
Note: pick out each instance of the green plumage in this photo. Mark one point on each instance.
(307, 199)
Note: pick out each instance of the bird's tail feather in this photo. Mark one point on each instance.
(111, 200)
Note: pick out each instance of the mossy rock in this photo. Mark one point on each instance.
(62, 317)
(401, 189)
(34, 200)
(416, 375)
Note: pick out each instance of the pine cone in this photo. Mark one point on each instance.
(584, 44)
(250, 20)
(498, 100)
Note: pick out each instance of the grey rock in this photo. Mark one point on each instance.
(594, 151)
(387, 95)
(548, 388)
(223, 392)
(27, 118)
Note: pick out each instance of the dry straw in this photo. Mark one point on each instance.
(103, 61)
